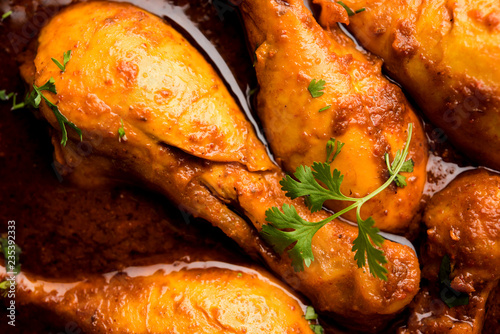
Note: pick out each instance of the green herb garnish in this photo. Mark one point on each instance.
(325, 108)
(35, 97)
(407, 168)
(4, 96)
(450, 296)
(287, 230)
(349, 11)
(315, 88)
(332, 149)
(121, 131)
(311, 316)
(66, 58)
(6, 15)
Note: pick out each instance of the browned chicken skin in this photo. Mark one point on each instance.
(200, 297)
(463, 222)
(187, 139)
(367, 112)
(446, 54)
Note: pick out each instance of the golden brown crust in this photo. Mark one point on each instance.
(446, 54)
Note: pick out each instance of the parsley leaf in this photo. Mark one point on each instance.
(407, 168)
(301, 236)
(35, 97)
(6, 15)
(288, 231)
(310, 316)
(330, 148)
(315, 88)
(121, 132)
(325, 108)
(450, 296)
(362, 245)
(66, 58)
(349, 10)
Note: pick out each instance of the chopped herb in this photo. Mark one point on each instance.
(408, 165)
(330, 148)
(6, 15)
(288, 231)
(66, 58)
(121, 132)
(310, 313)
(315, 88)
(4, 96)
(450, 296)
(349, 11)
(325, 108)
(312, 316)
(35, 97)
(240, 275)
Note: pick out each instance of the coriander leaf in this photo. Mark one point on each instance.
(49, 85)
(66, 58)
(362, 245)
(121, 131)
(11, 253)
(6, 15)
(406, 168)
(450, 296)
(349, 10)
(34, 99)
(330, 146)
(310, 313)
(301, 235)
(4, 96)
(325, 108)
(287, 228)
(315, 88)
(308, 186)
(317, 329)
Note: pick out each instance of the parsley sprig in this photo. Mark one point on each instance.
(288, 231)
(407, 168)
(66, 58)
(34, 99)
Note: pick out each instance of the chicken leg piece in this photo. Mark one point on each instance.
(446, 54)
(199, 297)
(463, 222)
(367, 112)
(187, 139)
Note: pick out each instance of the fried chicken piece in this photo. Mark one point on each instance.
(463, 222)
(364, 110)
(169, 299)
(446, 54)
(187, 139)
